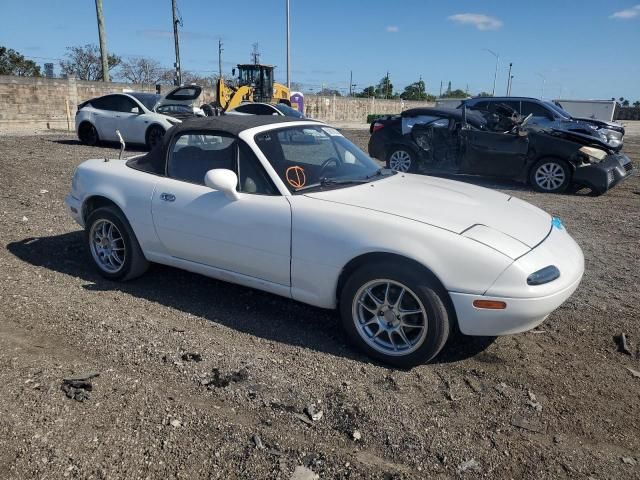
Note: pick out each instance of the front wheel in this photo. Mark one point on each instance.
(394, 314)
(113, 246)
(154, 136)
(401, 160)
(550, 175)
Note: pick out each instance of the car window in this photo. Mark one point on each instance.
(304, 156)
(245, 109)
(252, 178)
(124, 104)
(174, 109)
(193, 154)
(109, 102)
(534, 108)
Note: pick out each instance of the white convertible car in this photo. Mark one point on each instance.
(293, 208)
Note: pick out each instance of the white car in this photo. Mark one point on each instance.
(141, 118)
(293, 208)
(259, 108)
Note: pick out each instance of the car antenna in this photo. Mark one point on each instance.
(122, 144)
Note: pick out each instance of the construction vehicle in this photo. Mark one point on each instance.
(254, 84)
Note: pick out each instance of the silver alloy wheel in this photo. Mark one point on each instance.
(549, 176)
(107, 246)
(389, 317)
(400, 161)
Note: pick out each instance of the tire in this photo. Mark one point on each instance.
(401, 159)
(88, 134)
(154, 136)
(550, 175)
(374, 334)
(129, 261)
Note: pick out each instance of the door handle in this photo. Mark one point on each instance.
(167, 197)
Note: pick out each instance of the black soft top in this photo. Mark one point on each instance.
(154, 161)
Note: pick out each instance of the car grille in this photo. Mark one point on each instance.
(628, 167)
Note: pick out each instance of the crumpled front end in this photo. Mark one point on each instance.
(604, 175)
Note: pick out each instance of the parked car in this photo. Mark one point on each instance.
(294, 208)
(259, 108)
(141, 118)
(550, 114)
(458, 141)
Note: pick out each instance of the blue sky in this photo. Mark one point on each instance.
(582, 49)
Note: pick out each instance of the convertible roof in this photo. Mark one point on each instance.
(154, 161)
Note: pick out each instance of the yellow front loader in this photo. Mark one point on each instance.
(255, 84)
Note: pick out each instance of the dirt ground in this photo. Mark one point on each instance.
(203, 379)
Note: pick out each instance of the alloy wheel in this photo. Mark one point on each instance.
(550, 176)
(400, 161)
(107, 246)
(389, 317)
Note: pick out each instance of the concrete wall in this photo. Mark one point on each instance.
(42, 102)
(350, 109)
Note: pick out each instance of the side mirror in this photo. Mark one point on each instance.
(223, 180)
(135, 110)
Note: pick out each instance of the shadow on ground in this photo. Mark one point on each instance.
(244, 309)
(102, 144)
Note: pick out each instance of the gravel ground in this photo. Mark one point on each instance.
(199, 378)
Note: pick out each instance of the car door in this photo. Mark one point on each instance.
(129, 120)
(250, 235)
(493, 153)
(105, 116)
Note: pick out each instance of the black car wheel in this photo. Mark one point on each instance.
(88, 134)
(394, 314)
(113, 246)
(154, 136)
(550, 175)
(401, 159)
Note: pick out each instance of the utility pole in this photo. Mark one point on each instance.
(350, 82)
(288, 49)
(103, 42)
(495, 73)
(176, 38)
(440, 89)
(220, 50)
(509, 77)
(386, 86)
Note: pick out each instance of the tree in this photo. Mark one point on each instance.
(385, 88)
(457, 93)
(141, 70)
(485, 94)
(636, 104)
(13, 63)
(625, 103)
(368, 92)
(85, 62)
(329, 92)
(415, 91)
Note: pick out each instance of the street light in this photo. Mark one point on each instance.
(544, 81)
(495, 74)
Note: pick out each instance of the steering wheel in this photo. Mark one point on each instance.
(326, 163)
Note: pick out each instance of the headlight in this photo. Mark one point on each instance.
(545, 275)
(612, 134)
(594, 153)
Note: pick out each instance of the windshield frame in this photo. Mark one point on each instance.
(315, 183)
(557, 109)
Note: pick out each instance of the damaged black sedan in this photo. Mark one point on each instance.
(500, 144)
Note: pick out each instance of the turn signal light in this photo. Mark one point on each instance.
(490, 304)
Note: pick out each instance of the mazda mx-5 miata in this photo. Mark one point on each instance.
(293, 208)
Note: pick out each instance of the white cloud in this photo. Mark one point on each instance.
(392, 29)
(478, 20)
(627, 13)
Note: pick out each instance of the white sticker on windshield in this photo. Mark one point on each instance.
(332, 132)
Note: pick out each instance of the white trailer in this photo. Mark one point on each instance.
(595, 109)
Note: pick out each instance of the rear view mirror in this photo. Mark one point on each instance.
(223, 180)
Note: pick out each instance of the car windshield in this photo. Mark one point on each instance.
(558, 109)
(317, 157)
(288, 111)
(149, 100)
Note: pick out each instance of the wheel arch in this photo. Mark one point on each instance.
(398, 145)
(379, 257)
(98, 201)
(153, 124)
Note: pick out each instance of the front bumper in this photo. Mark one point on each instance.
(604, 175)
(526, 306)
(75, 208)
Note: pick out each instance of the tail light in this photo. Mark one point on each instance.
(376, 127)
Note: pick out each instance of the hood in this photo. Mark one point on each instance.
(601, 123)
(447, 204)
(564, 131)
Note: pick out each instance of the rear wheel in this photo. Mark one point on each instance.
(113, 246)
(401, 159)
(154, 136)
(394, 314)
(550, 175)
(88, 134)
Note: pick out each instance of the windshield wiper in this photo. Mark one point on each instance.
(380, 172)
(328, 181)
